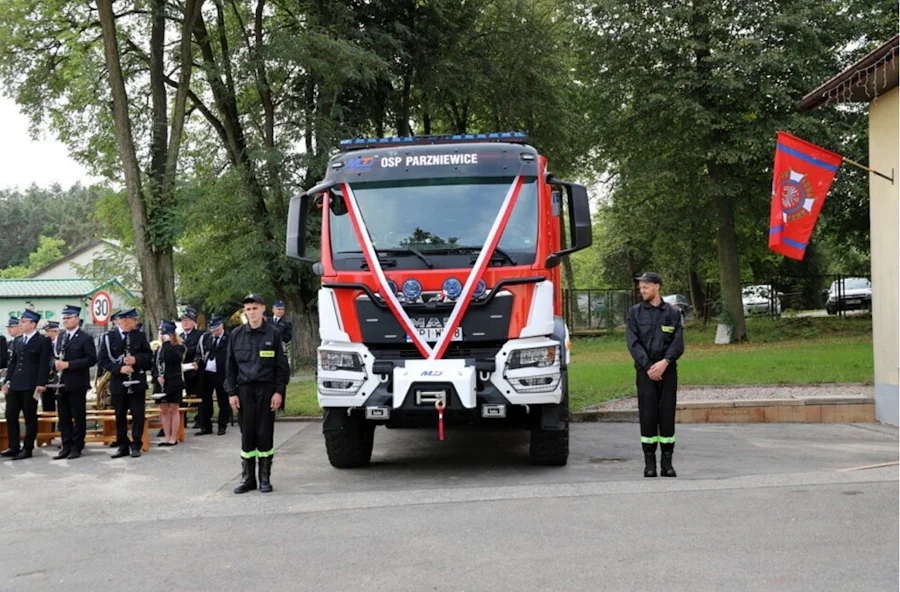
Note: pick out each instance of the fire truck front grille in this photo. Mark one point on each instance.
(454, 351)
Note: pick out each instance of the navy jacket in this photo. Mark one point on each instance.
(81, 354)
(28, 363)
(109, 358)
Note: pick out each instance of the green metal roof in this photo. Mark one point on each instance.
(53, 288)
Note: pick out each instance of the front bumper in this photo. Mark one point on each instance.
(467, 384)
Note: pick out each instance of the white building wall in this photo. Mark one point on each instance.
(884, 155)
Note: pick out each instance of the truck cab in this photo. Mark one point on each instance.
(440, 288)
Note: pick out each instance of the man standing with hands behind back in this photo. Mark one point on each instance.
(655, 338)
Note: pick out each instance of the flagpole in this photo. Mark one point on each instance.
(865, 168)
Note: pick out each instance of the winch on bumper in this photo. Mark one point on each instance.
(523, 372)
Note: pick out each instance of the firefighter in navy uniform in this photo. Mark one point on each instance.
(78, 354)
(28, 372)
(256, 377)
(48, 398)
(211, 352)
(655, 338)
(126, 354)
(284, 326)
(191, 336)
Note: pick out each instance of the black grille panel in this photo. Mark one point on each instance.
(454, 351)
(480, 325)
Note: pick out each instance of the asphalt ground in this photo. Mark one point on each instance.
(755, 507)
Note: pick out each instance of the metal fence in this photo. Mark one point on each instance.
(599, 309)
(596, 309)
(812, 295)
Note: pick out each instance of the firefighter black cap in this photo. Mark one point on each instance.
(651, 277)
(253, 298)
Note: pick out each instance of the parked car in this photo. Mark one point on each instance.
(761, 299)
(852, 294)
(682, 302)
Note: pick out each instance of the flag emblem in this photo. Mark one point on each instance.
(795, 190)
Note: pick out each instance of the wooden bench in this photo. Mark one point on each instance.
(106, 433)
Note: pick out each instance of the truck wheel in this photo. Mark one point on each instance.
(350, 446)
(550, 447)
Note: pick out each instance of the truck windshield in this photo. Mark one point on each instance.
(437, 216)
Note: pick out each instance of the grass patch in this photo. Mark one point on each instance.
(780, 351)
(301, 398)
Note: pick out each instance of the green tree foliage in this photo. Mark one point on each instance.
(687, 97)
(49, 250)
(54, 212)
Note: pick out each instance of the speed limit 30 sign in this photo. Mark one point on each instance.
(101, 307)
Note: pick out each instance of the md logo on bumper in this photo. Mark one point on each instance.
(432, 373)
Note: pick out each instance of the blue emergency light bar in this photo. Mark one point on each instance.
(360, 143)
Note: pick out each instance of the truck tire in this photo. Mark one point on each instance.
(351, 446)
(550, 447)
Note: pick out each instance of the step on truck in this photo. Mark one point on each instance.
(440, 296)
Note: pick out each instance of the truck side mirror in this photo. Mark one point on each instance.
(298, 216)
(298, 213)
(579, 208)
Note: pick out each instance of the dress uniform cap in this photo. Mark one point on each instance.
(51, 325)
(130, 313)
(70, 310)
(189, 313)
(215, 322)
(253, 298)
(166, 327)
(31, 315)
(12, 322)
(278, 304)
(651, 277)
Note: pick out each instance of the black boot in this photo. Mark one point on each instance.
(665, 464)
(248, 477)
(650, 464)
(265, 472)
(64, 453)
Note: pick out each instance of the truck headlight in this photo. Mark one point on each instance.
(338, 360)
(535, 357)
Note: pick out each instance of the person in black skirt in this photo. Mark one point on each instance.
(168, 381)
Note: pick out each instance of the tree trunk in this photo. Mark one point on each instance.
(698, 298)
(155, 269)
(729, 267)
(404, 108)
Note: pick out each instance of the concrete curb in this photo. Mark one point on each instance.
(806, 410)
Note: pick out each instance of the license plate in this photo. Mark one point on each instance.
(434, 334)
(854, 301)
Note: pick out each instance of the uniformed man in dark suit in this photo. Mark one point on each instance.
(4, 355)
(126, 353)
(655, 338)
(48, 399)
(12, 329)
(76, 354)
(256, 377)
(28, 372)
(191, 335)
(211, 353)
(284, 326)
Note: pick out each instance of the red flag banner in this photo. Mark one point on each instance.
(802, 176)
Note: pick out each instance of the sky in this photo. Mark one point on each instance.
(24, 161)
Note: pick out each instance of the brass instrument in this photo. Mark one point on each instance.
(159, 392)
(101, 387)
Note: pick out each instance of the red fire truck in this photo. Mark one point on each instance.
(440, 296)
